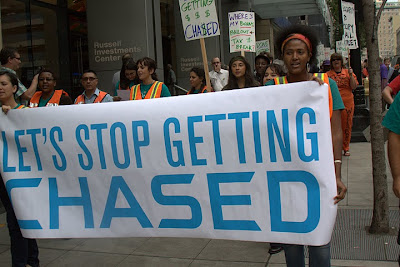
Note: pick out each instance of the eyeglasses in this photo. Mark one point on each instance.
(216, 63)
(90, 79)
(45, 79)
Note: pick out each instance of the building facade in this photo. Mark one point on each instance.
(69, 36)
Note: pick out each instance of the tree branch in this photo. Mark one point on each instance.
(377, 18)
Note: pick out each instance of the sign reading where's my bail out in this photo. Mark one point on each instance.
(239, 164)
(349, 26)
(199, 19)
(242, 31)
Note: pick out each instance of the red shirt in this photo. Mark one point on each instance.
(395, 85)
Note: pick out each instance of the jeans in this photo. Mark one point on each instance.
(319, 255)
(23, 250)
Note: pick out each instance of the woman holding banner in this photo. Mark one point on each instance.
(197, 81)
(240, 75)
(346, 80)
(297, 45)
(24, 251)
(149, 87)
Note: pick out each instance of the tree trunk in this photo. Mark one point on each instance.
(380, 220)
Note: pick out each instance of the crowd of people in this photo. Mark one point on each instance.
(297, 47)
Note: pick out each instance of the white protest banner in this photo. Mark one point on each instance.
(242, 31)
(349, 26)
(239, 164)
(199, 19)
(262, 46)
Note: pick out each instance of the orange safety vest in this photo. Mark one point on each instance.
(53, 101)
(21, 107)
(322, 76)
(81, 98)
(202, 91)
(154, 92)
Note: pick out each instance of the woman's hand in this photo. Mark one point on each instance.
(351, 71)
(6, 109)
(318, 80)
(341, 191)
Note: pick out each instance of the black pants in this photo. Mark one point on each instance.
(23, 250)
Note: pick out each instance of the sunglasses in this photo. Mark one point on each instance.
(335, 59)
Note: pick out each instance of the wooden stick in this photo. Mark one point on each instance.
(205, 63)
(242, 53)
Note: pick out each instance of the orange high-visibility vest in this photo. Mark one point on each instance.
(21, 107)
(202, 91)
(154, 92)
(53, 101)
(81, 98)
(322, 76)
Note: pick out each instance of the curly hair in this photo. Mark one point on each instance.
(301, 29)
(278, 69)
(249, 77)
(151, 65)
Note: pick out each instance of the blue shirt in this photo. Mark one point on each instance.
(91, 99)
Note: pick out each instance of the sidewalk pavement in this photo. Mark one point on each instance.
(351, 245)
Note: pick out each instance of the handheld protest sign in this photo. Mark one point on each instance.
(199, 19)
(242, 33)
(349, 25)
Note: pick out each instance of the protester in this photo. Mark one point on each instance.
(170, 79)
(48, 96)
(24, 251)
(11, 61)
(391, 90)
(273, 70)
(298, 45)
(261, 65)
(384, 73)
(396, 70)
(218, 76)
(197, 81)
(117, 76)
(392, 122)
(149, 87)
(92, 94)
(130, 77)
(365, 73)
(240, 75)
(346, 81)
(268, 55)
(326, 66)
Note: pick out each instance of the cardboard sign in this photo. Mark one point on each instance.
(240, 164)
(242, 31)
(349, 26)
(262, 46)
(199, 19)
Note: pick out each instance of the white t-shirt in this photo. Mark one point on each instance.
(219, 79)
